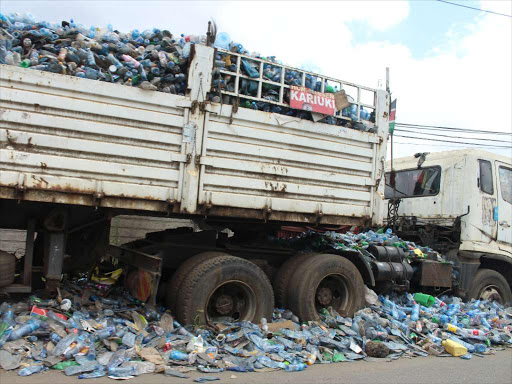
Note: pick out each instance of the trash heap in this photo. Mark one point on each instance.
(92, 332)
(357, 241)
(152, 60)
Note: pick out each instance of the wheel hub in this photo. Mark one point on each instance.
(224, 304)
(490, 293)
(324, 296)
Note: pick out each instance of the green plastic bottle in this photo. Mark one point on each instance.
(64, 364)
(337, 357)
(25, 63)
(135, 79)
(424, 299)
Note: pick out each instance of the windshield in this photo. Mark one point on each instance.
(414, 182)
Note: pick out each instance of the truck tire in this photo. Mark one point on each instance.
(283, 276)
(489, 284)
(182, 272)
(225, 287)
(7, 268)
(325, 281)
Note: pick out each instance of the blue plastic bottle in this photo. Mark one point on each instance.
(415, 314)
(24, 330)
(178, 355)
(222, 40)
(295, 367)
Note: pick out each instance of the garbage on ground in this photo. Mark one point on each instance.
(158, 60)
(111, 334)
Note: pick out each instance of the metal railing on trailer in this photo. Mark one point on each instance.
(353, 91)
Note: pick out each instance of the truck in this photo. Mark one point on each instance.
(460, 204)
(74, 153)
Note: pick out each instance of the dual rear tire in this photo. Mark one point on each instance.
(214, 286)
(221, 287)
(311, 282)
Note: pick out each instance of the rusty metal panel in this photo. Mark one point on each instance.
(271, 163)
(76, 136)
(435, 274)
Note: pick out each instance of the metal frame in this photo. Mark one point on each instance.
(238, 75)
(149, 263)
(26, 285)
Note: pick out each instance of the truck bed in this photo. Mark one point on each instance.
(76, 141)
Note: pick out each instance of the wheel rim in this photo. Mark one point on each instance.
(233, 300)
(491, 292)
(333, 291)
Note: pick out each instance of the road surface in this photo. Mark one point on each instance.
(419, 370)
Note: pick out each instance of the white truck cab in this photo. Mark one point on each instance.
(459, 203)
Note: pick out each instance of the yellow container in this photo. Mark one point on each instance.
(454, 348)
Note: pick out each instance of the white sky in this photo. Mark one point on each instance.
(466, 82)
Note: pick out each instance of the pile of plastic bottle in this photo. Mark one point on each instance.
(93, 333)
(357, 241)
(152, 60)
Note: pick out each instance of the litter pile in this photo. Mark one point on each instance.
(358, 241)
(152, 60)
(91, 333)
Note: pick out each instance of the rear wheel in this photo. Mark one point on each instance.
(325, 281)
(225, 288)
(490, 285)
(283, 276)
(182, 272)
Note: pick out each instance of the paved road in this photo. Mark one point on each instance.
(419, 370)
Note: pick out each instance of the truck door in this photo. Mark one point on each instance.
(488, 196)
(504, 218)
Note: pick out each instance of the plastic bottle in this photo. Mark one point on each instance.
(424, 299)
(122, 371)
(312, 356)
(452, 309)
(222, 40)
(178, 355)
(92, 375)
(268, 362)
(5, 336)
(31, 370)
(64, 364)
(24, 330)
(415, 313)
(64, 344)
(76, 369)
(454, 348)
(295, 367)
(65, 323)
(8, 317)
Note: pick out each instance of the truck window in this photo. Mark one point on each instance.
(486, 177)
(506, 184)
(414, 182)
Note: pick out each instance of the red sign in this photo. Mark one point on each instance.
(308, 100)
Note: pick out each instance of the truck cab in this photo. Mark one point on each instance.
(459, 203)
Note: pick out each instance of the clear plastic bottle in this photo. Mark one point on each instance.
(24, 330)
(122, 371)
(64, 344)
(92, 375)
(27, 371)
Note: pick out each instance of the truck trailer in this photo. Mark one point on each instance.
(74, 153)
